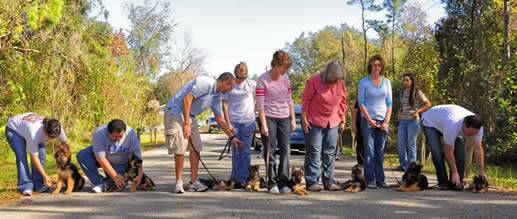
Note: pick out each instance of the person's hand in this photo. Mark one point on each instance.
(186, 131)
(306, 125)
(374, 124)
(265, 131)
(232, 129)
(237, 142)
(47, 181)
(455, 179)
(482, 173)
(293, 125)
(138, 180)
(119, 181)
(384, 126)
(415, 115)
(341, 126)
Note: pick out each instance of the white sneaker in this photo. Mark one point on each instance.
(274, 190)
(98, 188)
(27, 192)
(197, 187)
(285, 190)
(178, 188)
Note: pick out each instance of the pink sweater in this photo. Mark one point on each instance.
(274, 97)
(324, 105)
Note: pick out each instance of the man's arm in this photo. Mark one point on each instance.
(449, 154)
(224, 126)
(227, 116)
(108, 169)
(187, 103)
(480, 157)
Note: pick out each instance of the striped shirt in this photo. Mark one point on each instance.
(274, 97)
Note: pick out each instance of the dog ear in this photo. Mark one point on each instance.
(250, 168)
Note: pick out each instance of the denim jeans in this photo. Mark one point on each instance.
(408, 132)
(374, 140)
(25, 179)
(241, 156)
(433, 139)
(322, 146)
(279, 136)
(87, 161)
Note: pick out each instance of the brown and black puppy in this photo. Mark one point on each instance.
(218, 185)
(67, 172)
(413, 180)
(146, 184)
(480, 184)
(357, 183)
(253, 182)
(295, 183)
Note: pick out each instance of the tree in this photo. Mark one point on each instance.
(393, 7)
(365, 5)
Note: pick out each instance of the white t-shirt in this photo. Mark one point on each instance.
(241, 107)
(30, 127)
(448, 119)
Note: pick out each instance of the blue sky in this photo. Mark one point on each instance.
(230, 31)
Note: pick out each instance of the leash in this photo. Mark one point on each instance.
(227, 149)
(267, 161)
(199, 156)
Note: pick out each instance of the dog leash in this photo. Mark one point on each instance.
(267, 161)
(199, 156)
(226, 148)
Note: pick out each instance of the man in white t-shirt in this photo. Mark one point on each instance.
(239, 112)
(452, 122)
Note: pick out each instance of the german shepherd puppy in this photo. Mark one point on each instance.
(219, 185)
(67, 172)
(253, 182)
(357, 183)
(131, 173)
(413, 180)
(295, 183)
(480, 184)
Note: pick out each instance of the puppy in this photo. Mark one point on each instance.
(357, 183)
(480, 184)
(295, 183)
(67, 172)
(219, 185)
(253, 182)
(413, 180)
(146, 184)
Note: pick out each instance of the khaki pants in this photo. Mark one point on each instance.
(176, 143)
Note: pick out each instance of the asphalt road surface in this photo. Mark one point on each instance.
(385, 203)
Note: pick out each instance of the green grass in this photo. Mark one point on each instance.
(8, 171)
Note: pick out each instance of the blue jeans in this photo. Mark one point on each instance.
(322, 146)
(279, 136)
(408, 132)
(374, 140)
(25, 179)
(241, 156)
(89, 164)
(433, 139)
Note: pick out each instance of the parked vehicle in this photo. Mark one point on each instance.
(212, 124)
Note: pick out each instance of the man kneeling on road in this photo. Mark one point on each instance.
(180, 123)
(449, 122)
(112, 143)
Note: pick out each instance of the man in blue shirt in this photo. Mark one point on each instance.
(180, 122)
(112, 143)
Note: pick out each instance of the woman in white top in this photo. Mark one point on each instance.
(31, 131)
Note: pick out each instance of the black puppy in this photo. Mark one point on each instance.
(413, 180)
(357, 183)
(480, 184)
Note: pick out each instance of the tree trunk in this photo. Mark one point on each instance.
(343, 47)
(393, 44)
(365, 39)
(506, 43)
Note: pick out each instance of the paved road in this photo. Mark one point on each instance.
(161, 203)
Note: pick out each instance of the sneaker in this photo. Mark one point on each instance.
(384, 186)
(178, 188)
(197, 187)
(333, 187)
(372, 186)
(314, 188)
(274, 190)
(27, 192)
(43, 189)
(98, 188)
(286, 189)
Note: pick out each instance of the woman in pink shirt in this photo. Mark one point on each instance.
(323, 113)
(276, 113)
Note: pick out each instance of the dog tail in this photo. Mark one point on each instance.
(79, 184)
